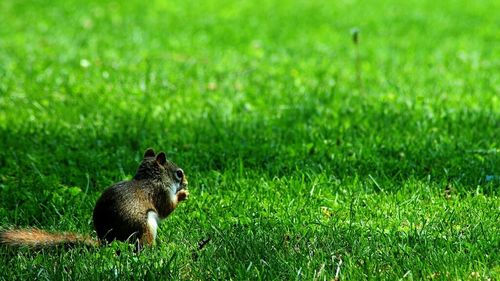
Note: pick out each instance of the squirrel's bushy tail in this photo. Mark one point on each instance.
(36, 238)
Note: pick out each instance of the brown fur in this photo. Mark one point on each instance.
(147, 237)
(36, 238)
(121, 213)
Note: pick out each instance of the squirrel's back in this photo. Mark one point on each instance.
(120, 212)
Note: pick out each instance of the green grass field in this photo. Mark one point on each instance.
(296, 169)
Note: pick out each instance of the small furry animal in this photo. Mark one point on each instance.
(126, 211)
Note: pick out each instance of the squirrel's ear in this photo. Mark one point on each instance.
(149, 153)
(161, 158)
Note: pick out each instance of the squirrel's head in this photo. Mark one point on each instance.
(158, 167)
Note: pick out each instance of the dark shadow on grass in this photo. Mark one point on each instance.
(388, 145)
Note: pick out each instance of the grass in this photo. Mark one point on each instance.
(294, 173)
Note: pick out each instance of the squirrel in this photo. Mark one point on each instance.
(126, 211)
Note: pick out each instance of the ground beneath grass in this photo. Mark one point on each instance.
(302, 163)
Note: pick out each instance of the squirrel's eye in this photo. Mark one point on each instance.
(179, 174)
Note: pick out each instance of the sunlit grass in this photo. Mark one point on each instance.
(294, 172)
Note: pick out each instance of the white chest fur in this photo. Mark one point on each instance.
(153, 221)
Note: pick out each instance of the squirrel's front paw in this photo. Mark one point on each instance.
(182, 195)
